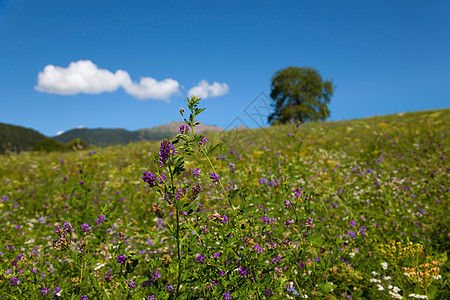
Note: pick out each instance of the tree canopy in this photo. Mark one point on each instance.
(301, 94)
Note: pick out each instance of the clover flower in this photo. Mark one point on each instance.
(100, 219)
(14, 281)
(149, 178)
(183, 129)
(196, 172)
(121, 259)
(86, 228)
(45, 291)
(214, 177)
(131, 284)
(227, 296)
(243, 271)
(201, 259)
(56, 290)
(165, 151)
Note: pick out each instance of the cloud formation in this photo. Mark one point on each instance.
(205, 90)
(84, 76)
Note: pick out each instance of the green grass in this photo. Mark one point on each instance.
(365, 184)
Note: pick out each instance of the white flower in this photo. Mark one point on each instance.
(352, 254)
(387, 278)
(380, 287)
(384, 265)
(395, 295)
(437, 277)
(374, 273)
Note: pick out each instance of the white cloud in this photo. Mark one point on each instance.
(84, 76)
(149, 88)
(205, 90)
(80, 127)
(59, 132)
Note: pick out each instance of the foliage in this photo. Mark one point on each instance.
(300, 94)
(76, 144)
(17, 139)
(323, 210)
(49, 145)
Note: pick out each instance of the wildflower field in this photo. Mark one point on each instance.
(339, 210)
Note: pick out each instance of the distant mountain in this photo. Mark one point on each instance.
(16, 138)
(99, 137)
(107, 137)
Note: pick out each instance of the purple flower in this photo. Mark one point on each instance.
(232, 167)
(288, 223)
(227, 296)
(100, 219)
(45, 291)
(121, 259)
(287, 203)
(14, 281)
(170, 288)
(83, 297)
(67, 228)
(86, 228)
(131, 284)
(310, 223)
(108, 276)
(56, 290)
(196, 172)
(162, 178)
(214, 177)
(202, 141)
(232, 151)
(151, 297)
(268, 293)
(201, 259)
(165, 150)
(362, 230)
(149, 178)
(352, 223)
(183, 129)
(243, 271)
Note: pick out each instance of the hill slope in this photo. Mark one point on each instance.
(16, 138)
(107, 137)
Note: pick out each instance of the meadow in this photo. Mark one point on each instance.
(334, 210)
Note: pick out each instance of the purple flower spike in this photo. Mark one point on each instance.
(165, 150)
(149, 178)
(214, 177)
(203, 141)
(227, 296)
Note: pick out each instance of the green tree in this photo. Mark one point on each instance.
(49, 145)
(301, 94)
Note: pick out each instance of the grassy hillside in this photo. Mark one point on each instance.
(337, 210)
(16, 139)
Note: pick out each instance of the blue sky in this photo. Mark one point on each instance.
(130, 64)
